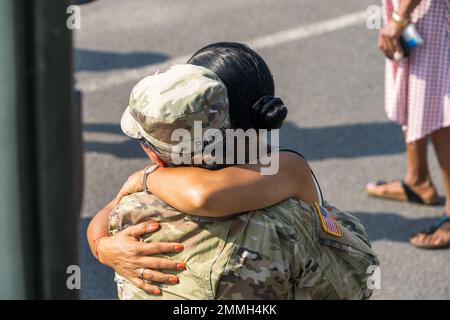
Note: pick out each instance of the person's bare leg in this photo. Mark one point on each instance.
(417, 176)
(441, 142)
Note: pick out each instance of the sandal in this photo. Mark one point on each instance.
(430, 230)
(411, 196)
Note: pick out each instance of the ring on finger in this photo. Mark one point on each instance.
(141, 273)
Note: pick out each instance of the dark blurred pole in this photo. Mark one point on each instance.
(12, 264)
(58, 133)
(48, 132)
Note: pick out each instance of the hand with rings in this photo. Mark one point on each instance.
(135, 260)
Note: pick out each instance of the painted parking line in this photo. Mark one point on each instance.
(269, 41)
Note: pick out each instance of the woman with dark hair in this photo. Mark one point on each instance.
(247, 81)
(212, 193)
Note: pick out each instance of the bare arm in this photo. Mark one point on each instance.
(388, 38)
(98, 227)
(230, 190)
(124, 253)
(406, 7)
(199, 192)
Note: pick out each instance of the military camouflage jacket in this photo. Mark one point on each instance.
(280, 252)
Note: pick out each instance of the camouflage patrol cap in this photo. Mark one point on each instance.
(174, 99)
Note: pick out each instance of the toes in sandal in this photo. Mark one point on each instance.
(411, 196)
(430, 230)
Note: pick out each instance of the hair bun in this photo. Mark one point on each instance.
(268, 112)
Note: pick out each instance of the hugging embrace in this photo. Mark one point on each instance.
(206, 228)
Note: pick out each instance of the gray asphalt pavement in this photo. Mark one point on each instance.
(332, 84)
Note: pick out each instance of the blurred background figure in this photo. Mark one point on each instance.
(417, 97)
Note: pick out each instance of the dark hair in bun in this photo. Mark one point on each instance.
(268, 113)
(247, 78)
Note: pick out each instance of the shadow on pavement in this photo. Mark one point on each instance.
(128, 149)
(97, 280)
(343, 141)
(391, 226)
(94, 60)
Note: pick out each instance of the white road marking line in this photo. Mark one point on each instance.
(308, 31)
(120, 77)
(87, 215)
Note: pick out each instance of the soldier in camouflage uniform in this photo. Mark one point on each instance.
(286, 251)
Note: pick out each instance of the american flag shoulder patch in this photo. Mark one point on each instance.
(329, 225)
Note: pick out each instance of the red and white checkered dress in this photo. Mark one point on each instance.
(417, 89)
